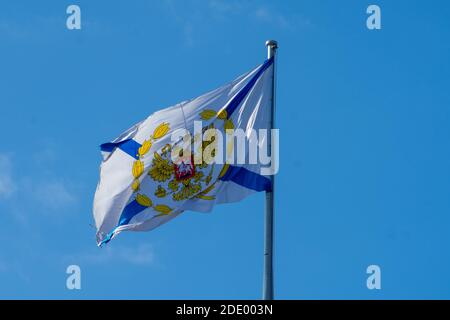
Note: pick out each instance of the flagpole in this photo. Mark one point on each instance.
(272, 46)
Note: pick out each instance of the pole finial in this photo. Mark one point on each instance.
(272, 43)
(272, 46)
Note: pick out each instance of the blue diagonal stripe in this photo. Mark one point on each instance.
(128, 146)
(131, 210)
(240, 96)
(247, 179)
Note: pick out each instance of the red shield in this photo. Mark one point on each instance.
(184, 170)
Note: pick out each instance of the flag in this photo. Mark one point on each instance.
(145, 180)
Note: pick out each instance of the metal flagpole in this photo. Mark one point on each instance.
(272, 46)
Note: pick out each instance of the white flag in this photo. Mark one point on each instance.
(145, 181)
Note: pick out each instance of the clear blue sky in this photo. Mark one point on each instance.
(364, 119)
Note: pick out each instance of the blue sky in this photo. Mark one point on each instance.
(364, 120)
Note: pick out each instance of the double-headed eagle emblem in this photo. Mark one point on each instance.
(175, 182)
